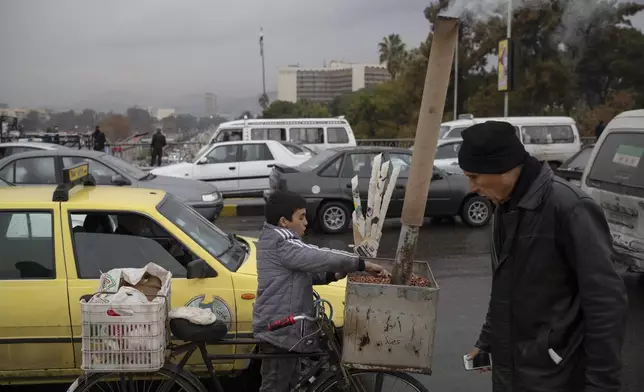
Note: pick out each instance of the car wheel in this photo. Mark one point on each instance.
(334, 217)
(477, 211)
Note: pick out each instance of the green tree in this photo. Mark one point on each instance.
(263, 101)
(65, 121)
(301, 109)
(393, 52)
(169, 124)
(87, 119)
(140, 119)
(32, 121)
(186, 122)
(586, 67)
(116, 127)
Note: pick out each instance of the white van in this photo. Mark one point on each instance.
(614, 177)
(315, 133)
(549, 139)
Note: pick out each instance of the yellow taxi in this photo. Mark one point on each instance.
(56, 241)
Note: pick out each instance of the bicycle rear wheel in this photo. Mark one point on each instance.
(369, 382)
(167, 379)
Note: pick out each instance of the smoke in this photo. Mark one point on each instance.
(577, 16)
(482, 9)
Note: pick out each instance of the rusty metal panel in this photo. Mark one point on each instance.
(389, 327)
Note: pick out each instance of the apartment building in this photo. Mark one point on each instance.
(325, 84)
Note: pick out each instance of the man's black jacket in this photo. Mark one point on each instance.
(158, 141)
(554, 287)
(99, 140)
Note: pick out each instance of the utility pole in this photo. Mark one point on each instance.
(458, 38)
(506, 106)
(261, 53)
(427, 131)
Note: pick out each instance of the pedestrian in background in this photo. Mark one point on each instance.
(98, 139)
(599, 129)
(157, 144)
(556, 316)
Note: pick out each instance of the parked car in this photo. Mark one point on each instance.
(573, 169)
(299, 148)
(614, 177)
(11, 148)
(316, 133)
(238, 168)
(325, 182)
(549, 139)
(46, 167)
(447, 155)
(53, 253)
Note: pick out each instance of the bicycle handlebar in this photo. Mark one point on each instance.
(290, 320)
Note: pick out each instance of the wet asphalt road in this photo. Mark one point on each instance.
(459, 260)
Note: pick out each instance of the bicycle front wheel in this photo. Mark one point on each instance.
(369, 382)
(167, 379)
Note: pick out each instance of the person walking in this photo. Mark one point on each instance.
(599, 129)
(157, 144)
(98, 138)
(557, 310)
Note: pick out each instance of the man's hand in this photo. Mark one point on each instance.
(376, 270)
(473, 354)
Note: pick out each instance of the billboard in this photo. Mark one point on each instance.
(504, 66)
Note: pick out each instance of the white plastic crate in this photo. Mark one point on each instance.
(135, 341)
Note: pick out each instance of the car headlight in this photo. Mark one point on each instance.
(211, 196)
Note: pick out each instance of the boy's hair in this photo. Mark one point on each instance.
(282, 204)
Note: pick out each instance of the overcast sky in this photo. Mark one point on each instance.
(60, 52)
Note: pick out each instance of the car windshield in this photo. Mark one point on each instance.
(444, 129)
(130, 170)
(579, 161)
(202, 153)
(317, 160)
(225, 248)
(619, 164)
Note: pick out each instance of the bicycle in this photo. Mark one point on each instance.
(327, 375)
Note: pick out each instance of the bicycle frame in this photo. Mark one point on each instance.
(330, 354)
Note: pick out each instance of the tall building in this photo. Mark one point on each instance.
(160, 114)
(325, 84)
(211, 104)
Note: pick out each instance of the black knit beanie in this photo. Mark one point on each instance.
(491, 148)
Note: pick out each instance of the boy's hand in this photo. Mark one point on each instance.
(376, 270)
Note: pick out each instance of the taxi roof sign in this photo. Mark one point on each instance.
(75, 173)
(73, 176)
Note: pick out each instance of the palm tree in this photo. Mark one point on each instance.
(392, 52)
(263, 101)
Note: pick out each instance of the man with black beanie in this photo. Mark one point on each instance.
(556, 317)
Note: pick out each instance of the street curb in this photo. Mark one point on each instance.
(242, 210)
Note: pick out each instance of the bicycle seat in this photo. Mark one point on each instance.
(189, 332)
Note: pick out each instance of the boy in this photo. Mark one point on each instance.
(287, 269)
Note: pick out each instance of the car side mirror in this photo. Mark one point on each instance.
(199, 269)
(120, 180)
(436, 176)
(203, 161)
